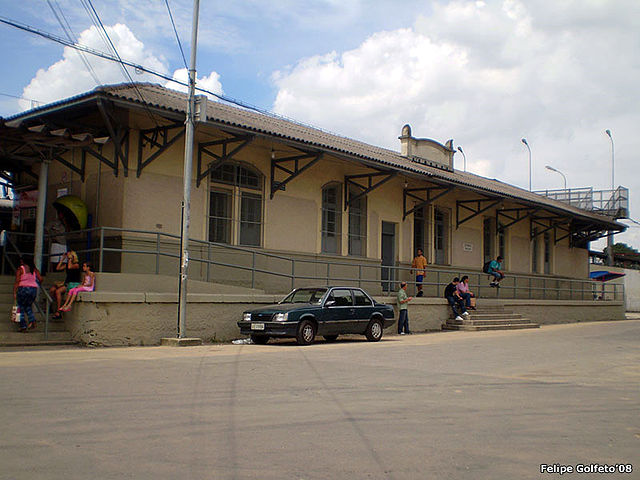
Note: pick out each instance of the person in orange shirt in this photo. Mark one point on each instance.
(419, 264)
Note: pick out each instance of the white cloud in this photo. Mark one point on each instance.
(69, 76)
(210, 82)
(488, 74)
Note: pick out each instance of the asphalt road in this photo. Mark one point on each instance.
(471, 405)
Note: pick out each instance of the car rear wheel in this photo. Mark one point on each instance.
(374, 330)
(260, 339)
(330, 338)
(306, 333)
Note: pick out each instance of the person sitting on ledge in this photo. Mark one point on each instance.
(495, 269)
(88, 285)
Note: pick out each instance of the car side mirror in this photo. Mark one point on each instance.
(330, 303)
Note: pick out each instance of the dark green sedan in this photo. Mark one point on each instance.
(325, 311)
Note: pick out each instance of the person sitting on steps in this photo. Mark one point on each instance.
(495, 269)
(465, 293)
(455, 300)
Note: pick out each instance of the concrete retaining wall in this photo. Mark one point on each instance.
(136, 318)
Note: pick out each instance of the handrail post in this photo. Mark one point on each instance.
(253, 269)
(328, 267)
(515, 286)
(157, 253)
(101, 249)
(529, 287)
(360, 275)
(46, 319)
(293, 272)
(209, 262)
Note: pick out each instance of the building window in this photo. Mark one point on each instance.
(502, 242)
(220, 215)
(547, 253)
(419, 230)
(440, 235)
(331, 219)
(235, 205)
(534, 251)
(488, 235)
(357, 224)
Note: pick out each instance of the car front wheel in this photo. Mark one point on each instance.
(374, 330)
(306, 333)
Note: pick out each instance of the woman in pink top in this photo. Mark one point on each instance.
(25, 290)
(88, 284)
(465, 293)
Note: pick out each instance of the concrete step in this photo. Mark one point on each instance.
(476, 328)
(54, 326)
(17, 339)
(506, 321)
(493, 316)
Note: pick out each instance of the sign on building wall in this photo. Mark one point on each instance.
(467, 247)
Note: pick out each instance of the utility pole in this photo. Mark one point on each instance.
(188, 167)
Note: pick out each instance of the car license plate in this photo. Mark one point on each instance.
(257, 326)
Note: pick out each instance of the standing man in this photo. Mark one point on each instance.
(495, 269)
(403, 309)
(419, 264)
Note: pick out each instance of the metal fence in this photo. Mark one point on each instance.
(139, 251)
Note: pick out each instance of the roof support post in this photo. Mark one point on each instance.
(120, 137)
(43, 181)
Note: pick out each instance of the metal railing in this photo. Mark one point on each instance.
(6, 257)
(108, 248)
(612, 203)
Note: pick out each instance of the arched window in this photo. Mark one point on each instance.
(331, 218)
(235, 204)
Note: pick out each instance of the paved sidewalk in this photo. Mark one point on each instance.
(468, 405)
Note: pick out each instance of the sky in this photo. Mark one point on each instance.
(484, 73)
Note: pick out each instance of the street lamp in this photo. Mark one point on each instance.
(463, 156)
(613, 192)
(524, 140)
(613, 184)
(549, 167)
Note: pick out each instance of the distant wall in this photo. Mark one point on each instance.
(632, 289)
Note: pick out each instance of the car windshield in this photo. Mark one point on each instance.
(305, 295)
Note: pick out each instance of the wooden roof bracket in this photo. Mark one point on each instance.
(410, 193)
(479, 208)
(204, 149)
(365, 190)
(292, 172)
(159, 140)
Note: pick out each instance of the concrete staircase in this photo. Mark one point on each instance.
(490, 317)
(9, 334)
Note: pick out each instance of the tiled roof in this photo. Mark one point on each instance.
(273, 125)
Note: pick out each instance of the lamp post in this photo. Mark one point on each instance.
(613, 192)
(524, 140)
(549, 167)
(463, 156)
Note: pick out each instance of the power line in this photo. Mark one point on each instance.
(120, 62)
(71, 36)
(150, 71)
(184, 60)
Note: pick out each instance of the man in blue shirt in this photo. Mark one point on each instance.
(495, 269)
